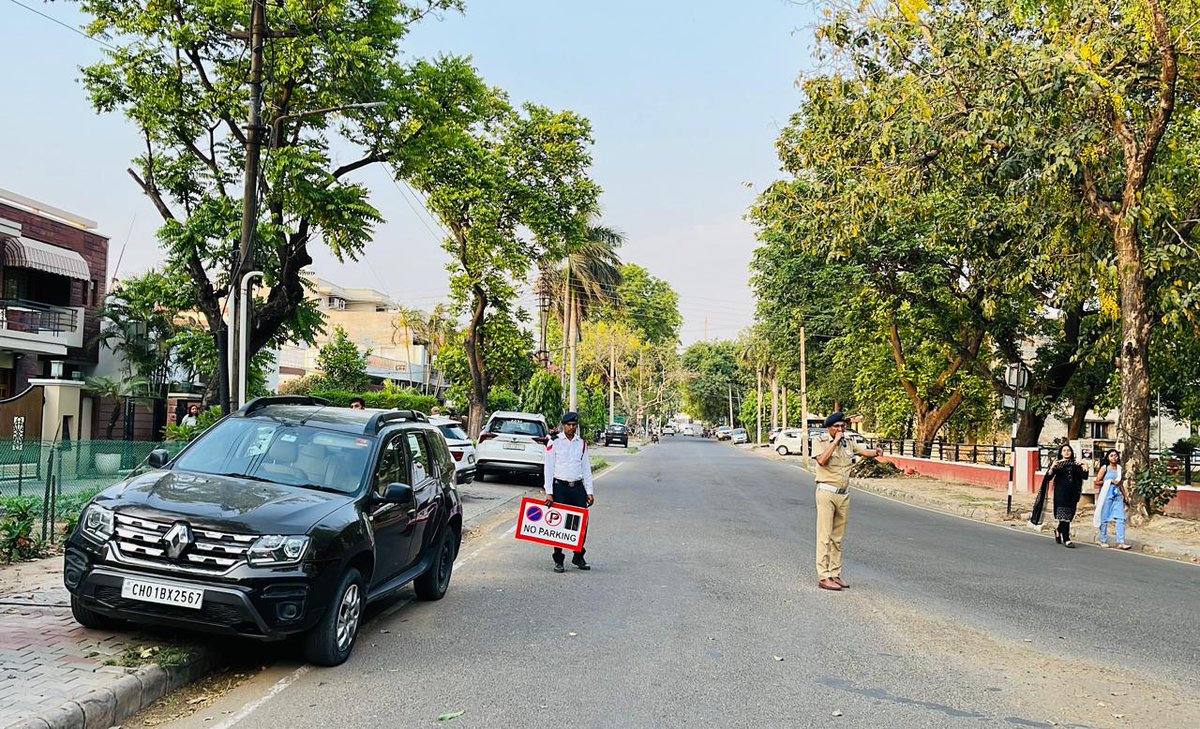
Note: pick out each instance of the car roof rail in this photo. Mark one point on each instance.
(259, 403)
(376, 423)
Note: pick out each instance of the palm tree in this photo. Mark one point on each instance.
(754, 353)
(582, 275)
(433, 329)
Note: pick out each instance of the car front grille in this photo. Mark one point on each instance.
(140, 540)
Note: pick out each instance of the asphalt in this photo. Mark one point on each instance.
(702, 610)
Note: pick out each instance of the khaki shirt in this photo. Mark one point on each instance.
(837, 471)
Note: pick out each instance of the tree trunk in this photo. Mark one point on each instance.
(1080, 408)
(473, 343)
(1029, 429)
(930, 420)
(774, 400)
(1133, 427)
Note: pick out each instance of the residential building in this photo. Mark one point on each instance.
(53, 266)
(370, 319)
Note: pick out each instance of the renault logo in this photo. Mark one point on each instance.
(177, 539)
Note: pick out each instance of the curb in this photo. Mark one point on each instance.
(107, 707)
(981, 515)
(130, 694)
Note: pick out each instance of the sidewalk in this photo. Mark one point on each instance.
(1164, 536)
(56, 674)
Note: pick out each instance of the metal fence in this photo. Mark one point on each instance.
(56, 479)
(1186, 468)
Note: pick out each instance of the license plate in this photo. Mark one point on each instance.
(514, 446)
(162, 593)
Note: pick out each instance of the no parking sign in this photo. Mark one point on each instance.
(554, 526)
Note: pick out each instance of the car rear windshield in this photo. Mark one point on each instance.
(268, 450)
(453, 432)
(616, 428)
(517, 426)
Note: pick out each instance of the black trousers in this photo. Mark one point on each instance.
(571, 493)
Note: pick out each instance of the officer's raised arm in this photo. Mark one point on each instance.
(548, 473)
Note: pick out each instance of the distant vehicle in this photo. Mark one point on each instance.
(616, 433)
(739, 435)
(723, 432)
(512, 442)
(789, 442)
(772, 433)
(668, 429)
(462, 448)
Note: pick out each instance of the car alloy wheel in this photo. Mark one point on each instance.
(349, 613)
(782, 450)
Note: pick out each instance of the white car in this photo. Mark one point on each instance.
(789, 442)
(668, 430)
(739, 435)
(461, 447)
(512, 442)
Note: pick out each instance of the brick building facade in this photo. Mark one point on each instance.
(53, 270)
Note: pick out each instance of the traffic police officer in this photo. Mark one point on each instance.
(833, 498)
(568, 478)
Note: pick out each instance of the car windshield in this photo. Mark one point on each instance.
(516, 426)
(616, 428)
(268, 450)
(453, 432)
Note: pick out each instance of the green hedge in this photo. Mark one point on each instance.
(386, 399)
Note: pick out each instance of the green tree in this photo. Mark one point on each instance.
(644, 303)
(543, 394)
(138, 323)
(178, 72)
(508, 358)
(518, 171)
(342, 365)
(710, 375)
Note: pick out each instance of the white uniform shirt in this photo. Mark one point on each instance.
(567, 459)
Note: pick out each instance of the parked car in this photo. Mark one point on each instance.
(790, 442)
(668, 429)
(774, 431)
(723, 432)
(285, 518)
(739, 435)
(616, 433)
(462, 448)
(512, 442)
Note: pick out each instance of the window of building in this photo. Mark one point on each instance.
(1097, 430)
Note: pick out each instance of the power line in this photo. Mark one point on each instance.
(56, 21)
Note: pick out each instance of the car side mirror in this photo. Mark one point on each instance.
(158, 457)
(396, 493)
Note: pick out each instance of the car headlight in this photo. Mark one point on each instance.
(276, 549)
(97, 523)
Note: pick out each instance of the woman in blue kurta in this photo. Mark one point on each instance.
(1110, 500)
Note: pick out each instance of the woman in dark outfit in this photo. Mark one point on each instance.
(1068, 479)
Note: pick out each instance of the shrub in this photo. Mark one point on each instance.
(1156, 486)
(187, 433)
(16, 531)
(303, 385)
(385, 399)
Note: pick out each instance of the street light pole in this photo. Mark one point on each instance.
(258, 27)
(804, 446)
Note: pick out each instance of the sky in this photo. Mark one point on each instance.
(686, 98)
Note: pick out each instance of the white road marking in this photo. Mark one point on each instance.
(279, 686)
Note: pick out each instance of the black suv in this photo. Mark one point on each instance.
(616, 433)
(286, 517)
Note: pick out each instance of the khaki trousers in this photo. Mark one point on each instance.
(832, 511)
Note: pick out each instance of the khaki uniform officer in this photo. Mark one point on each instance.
(836, 455)
(568, 478)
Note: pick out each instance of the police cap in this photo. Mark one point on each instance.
(570, 417)
(834, 419)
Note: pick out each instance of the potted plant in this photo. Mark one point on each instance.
(107, 454)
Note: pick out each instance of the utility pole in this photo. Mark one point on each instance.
(574, 393)
(566, 329)
(258, 28)
(730, 386)
(774, 399)
(758, 403)
(612, 379)
(803, 399)
(784, 408)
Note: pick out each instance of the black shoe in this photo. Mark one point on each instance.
(559, 568)
(1058, 537)
(581, 564)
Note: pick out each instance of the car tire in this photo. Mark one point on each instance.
(89, 618)
(479, 476)
(782, 450)
(330, 641)
(433, 582)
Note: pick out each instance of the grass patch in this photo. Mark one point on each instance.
(632, 449)
(137, 656)
(598, 464)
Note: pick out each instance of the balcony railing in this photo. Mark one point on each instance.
(19, 315)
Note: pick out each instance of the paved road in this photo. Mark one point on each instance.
(702, 610)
